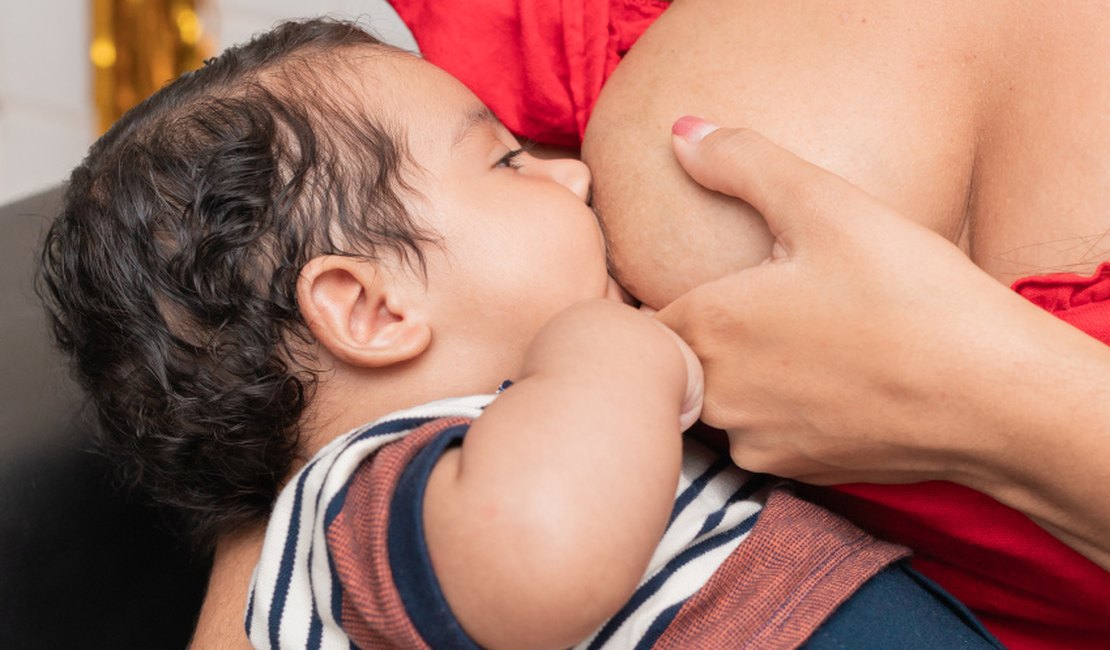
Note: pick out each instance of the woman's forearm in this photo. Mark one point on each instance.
(1051, 432)
(220, 624)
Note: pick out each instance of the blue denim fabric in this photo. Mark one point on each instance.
(900, 608)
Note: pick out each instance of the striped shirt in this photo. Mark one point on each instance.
(344, 563)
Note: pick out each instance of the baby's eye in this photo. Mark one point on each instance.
(509, 160)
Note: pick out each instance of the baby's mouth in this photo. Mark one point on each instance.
(616, 292)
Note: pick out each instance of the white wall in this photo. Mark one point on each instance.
(237, 20)
(47, 121)
(46, 116)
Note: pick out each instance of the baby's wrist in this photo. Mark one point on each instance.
(610, 339)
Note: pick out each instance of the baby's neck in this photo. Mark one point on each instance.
(346, 401)
(349, 397)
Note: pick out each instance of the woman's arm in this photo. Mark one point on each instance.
(220, 624)
(542, 523)
(868, 348)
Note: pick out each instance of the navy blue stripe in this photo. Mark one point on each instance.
(754, 484)
(696, 487)
(659, 626)
(315, 629)
(395, 426)
(250, 613)
(336, 591)
(285, 573)
(315, 625)
(336, 503)
(649, 588)
(413, 575)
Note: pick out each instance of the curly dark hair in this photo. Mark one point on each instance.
(170, 274)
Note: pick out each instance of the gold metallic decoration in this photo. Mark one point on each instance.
(139, 45)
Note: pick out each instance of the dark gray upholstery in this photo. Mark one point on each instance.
(80, 564)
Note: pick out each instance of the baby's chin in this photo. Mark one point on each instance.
(616, 292)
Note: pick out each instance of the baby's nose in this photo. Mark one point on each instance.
(572, 174)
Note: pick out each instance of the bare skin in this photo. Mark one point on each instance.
(985, 121)
(220, 624)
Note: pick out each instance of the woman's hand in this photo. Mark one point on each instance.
(868, 348)
(828, 361)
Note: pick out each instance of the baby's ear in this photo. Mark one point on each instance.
(361, 315)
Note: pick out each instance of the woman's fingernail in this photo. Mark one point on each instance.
(692, 129)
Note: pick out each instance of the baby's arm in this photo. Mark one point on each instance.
(541, 524)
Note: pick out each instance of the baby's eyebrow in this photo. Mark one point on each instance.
(478, 116)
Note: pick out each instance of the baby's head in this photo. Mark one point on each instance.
(310, 208)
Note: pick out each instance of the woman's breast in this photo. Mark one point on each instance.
(911, 101)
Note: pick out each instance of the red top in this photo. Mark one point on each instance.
(540, 66)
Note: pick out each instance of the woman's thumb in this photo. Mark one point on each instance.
(789, 192)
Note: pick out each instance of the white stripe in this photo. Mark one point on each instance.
(681, 585)
(682, 534)
(695, 460)
(329, 472)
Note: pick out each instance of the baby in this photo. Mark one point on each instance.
(309, 265)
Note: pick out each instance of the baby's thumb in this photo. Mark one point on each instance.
(789, 192)
(695, 382)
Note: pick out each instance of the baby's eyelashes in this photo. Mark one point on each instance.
(510, 159)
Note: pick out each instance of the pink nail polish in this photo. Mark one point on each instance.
(692, 129)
